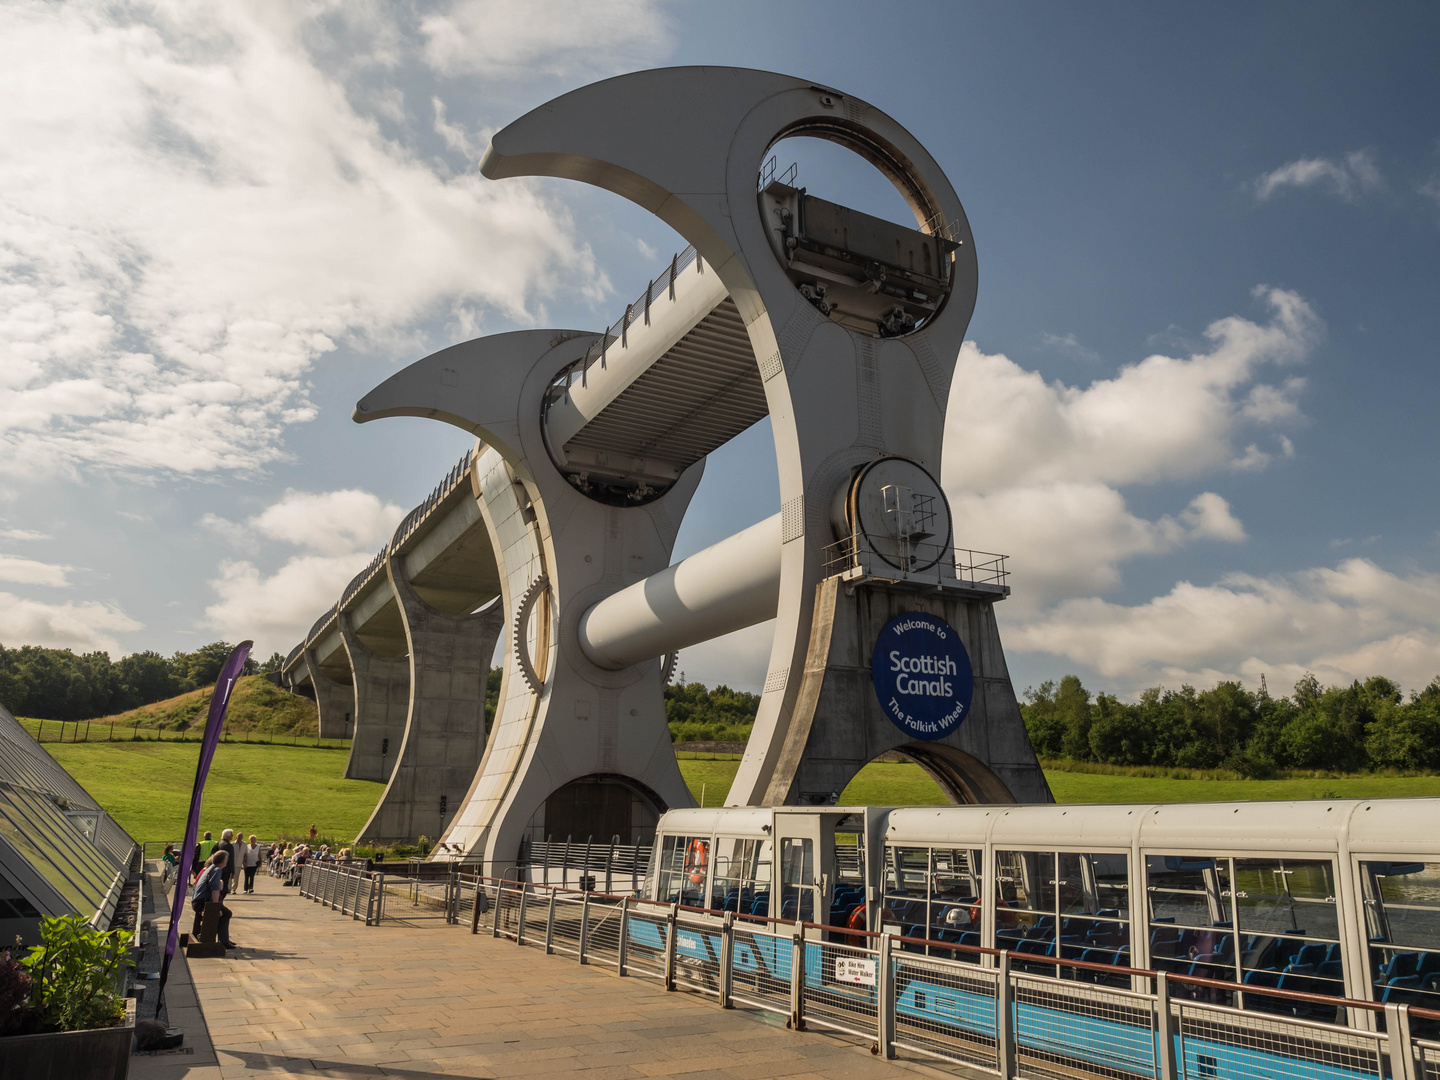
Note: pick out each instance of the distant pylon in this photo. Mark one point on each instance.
(1264, 690)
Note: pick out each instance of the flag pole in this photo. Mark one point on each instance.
(219, 700)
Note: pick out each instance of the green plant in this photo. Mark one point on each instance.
(75, 975)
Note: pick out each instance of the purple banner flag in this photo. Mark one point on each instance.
(219, 700)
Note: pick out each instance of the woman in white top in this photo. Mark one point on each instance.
(250, 860)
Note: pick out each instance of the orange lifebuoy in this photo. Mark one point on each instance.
(696, 856)
(856, 921)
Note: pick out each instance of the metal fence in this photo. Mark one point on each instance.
(916, 996)
(612, 868)
(928, 999)
(356, 893)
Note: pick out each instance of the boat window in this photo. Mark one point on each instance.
(1289, 933)
(683, 862)
(740, 881)
(1402, 917)
(934, 894)
(1191, 920)
(1067, 905)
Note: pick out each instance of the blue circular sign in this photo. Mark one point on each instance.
(922, 675)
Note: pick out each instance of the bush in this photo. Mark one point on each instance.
(75, 975)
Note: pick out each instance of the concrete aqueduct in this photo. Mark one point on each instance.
(556, 530)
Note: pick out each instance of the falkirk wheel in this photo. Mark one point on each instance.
(843, 328)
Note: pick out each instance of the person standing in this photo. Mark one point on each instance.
(227, 845)
(203, 850)
(250, 862)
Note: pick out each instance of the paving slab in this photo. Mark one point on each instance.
(316, 994)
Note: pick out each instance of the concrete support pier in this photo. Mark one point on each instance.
(839, 724)
(382, 703)
(334, 700)
(444, 736)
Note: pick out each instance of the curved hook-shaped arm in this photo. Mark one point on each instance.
(474, 385)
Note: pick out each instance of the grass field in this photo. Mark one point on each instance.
(266, 790)
(906, 784)
(273, 789)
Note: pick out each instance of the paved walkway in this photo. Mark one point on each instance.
(315, 993)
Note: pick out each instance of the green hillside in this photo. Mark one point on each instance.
(257, 705)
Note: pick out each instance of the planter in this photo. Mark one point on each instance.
(96, 1054)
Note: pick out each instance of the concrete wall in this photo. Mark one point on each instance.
(839, 725)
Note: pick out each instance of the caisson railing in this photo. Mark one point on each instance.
(1008, 1014)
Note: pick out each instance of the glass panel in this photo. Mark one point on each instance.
(740, 880)
(907, 886)
(1402, 910)
(955, 893)
(1289, 933)
(1093, 892)
(797, 878)
(683, 863)
(1190, 931)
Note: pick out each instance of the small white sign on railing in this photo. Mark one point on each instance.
(859, 970)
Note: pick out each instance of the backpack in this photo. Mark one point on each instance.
(204, 886)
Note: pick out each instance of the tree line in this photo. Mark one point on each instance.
(58, 684)
(698, 713)
(1364, 726)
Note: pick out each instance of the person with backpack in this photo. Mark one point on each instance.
(211, 887)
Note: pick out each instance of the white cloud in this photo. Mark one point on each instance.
(1069, 538)
(30, 572)
(1342, 623)
(1348, 178)
(1070, 345)
(1431, 189)
(339, 532)
(22, 534)
(85, 626)
(544, 36)
(1036, 470)
(201, 212)
(1162, 419)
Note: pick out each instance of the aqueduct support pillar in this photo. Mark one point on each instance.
(444, 737)
(839, 723)
(382, 703)
(333, 700)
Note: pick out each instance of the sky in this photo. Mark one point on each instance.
(1195, 405)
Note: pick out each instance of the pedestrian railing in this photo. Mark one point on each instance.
(356, 893)
(612, 868)
(929, 999)
(958, 1004)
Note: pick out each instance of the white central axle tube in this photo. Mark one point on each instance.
(726, 587)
